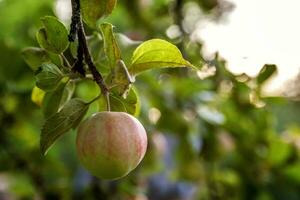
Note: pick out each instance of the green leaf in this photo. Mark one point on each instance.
(111, 47)
(37, 96)
(121, 79)
(67, 94)
(60, 123)
(34, 57)
(156, 53)
(93, 10)
(87, 90)
(265, 73)
(96, 46)
(49, 77)
(52, 100)
(56, 59)
(53, 36)
(131, 104)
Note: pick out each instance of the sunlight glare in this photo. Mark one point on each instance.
(258, 32)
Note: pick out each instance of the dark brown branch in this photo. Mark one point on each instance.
(75, 20)
(89, 61)
(83, 50)
(78, 65)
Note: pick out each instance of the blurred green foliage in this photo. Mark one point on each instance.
(216, 138)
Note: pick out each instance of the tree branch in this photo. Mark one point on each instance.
(75, 20)
(78, 65)
(89, 61)
(83, 50)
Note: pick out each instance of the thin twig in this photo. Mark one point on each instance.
(66, 60)
(107, 102)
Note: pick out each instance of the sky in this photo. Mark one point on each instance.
(257, 32)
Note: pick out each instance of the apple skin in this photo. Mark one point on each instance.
(111, 144)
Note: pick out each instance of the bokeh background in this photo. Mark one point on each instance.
(213, 134)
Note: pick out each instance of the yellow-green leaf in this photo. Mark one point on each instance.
(156, 53)
(37, 96)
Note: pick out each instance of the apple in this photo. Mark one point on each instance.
(111, 144)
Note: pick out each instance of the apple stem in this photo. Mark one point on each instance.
(107, 102)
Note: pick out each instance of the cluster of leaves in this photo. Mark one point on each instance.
(56, 78)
